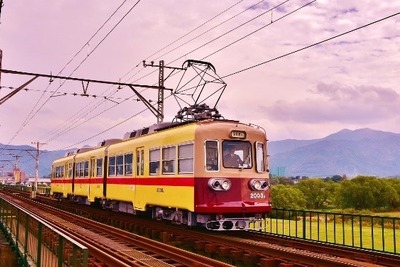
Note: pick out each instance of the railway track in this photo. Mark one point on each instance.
(244, 248)
(110, 246)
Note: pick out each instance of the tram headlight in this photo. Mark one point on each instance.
(219, 184)
(258, 184)
(226, 184)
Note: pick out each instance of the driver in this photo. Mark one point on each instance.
(231, 159)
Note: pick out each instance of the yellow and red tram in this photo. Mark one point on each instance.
(210, 172)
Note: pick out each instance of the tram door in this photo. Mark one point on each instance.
(139, 161)
(92, 175)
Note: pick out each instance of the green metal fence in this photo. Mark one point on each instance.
(361, 231)
(36, 243)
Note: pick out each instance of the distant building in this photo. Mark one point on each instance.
(277, 171)
(19, 176)
(31, 180)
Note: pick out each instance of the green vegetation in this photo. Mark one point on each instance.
(363, 212)
(361, 193)
(349, 232)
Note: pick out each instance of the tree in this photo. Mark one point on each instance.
(287, 197)
(394, 201)
(366, 192)
(316, 192)
(281, 180)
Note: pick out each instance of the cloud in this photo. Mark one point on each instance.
(348, 82)
(338, 103)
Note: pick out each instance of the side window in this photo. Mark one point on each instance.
(128, 163)
(185, 158)
(82, 169)
(111, 166)
(168, 160)
(70, 169)
(77, 169)
(260, 157)
(58, 172)
(211, 154)
(85, 168)
(154, 161)
(99, 167)
(120, 165)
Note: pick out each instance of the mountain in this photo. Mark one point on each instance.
(358, 152)
(24, 157)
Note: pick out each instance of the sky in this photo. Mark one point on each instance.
(299, 69)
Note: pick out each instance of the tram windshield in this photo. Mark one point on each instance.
(237, 154)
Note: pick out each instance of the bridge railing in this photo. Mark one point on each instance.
(360, 231)
(38, 243)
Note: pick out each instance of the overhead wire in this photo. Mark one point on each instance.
(101, 41)
(265, 62)
(259, 29)
(31, 116)
(76, 121)
(311, 45)
(223, 34)
(186, 34)
(106, 97)
(235, 28)
(78, 114)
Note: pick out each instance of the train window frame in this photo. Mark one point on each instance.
(128, 163)
(111, 166)
(66, 170)
(185, 158)
(85, 168)
(154, 161)
(119, 165)
(99, 167)
(168, 158)
(139, 161)
(58, 172)
(82, 169)
(260, 157)
(70, 169)
(77, 169)
(211, 155)
(239, 147)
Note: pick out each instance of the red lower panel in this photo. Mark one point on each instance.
(233, 207)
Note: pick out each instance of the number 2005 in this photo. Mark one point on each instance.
(257, 195)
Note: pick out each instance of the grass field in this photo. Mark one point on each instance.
(389, 214)
(368, 232)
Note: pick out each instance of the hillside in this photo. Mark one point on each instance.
(24, 157)
(358, 152)
(362, 151)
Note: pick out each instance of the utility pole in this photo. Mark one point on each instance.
(159, 113)
(34, 189)
(1, 51)
(160, 101)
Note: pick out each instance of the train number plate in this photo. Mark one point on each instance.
(257, 195)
